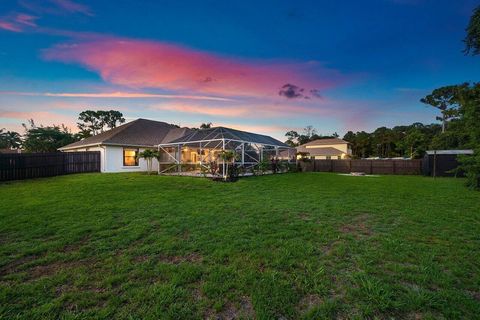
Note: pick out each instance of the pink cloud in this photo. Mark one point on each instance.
(211, 111)
(73, 7)
(241, 110)
(26, 19)
(40, 117)
(115, 95)
(10, 26)
(18, 22)
(149, 64)
(55, 7)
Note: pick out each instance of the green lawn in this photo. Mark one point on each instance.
(306, 245)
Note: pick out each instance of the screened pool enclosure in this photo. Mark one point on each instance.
(203, 152)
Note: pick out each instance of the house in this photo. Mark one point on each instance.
(443, 162)
(181, 149)
(120, 146)
(331, 148)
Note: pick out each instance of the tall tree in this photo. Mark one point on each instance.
(412, 141)
(469, 99)
(444, 99)
(46, 139)
(90, 124)
(207, 125)
(95, 122)
(10, 139)
(110, 119)
(292, 138)
(472, 40)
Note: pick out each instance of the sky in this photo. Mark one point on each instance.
(261, 66)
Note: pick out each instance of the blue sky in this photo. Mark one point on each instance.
(246, 64)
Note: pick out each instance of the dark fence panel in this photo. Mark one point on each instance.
(366, 166)
(36, 165)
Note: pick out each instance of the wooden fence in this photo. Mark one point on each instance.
(35, 165)
(366, 166)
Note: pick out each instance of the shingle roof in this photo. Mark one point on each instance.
(140, 132)
(219, 133)
(320, 142)
(327, 151)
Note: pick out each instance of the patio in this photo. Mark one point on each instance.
(202, 153)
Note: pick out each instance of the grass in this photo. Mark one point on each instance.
(305, 245)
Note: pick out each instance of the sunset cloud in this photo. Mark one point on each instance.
(73, 7)
(56, 7)
(114, 95)
(40, 117)
(18, 22)
(150, 64)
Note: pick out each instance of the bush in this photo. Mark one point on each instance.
(471, 166)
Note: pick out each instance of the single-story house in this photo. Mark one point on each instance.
(179, 148)
(331, 148)
(120, 146)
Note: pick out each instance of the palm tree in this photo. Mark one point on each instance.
(10, 139)
(149, 155)
(227, 156)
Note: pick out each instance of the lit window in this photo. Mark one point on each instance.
(130, 157)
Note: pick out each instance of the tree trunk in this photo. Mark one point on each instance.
(444, 122)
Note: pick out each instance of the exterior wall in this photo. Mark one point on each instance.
(342, 147)
(331, 158)
(112, 159)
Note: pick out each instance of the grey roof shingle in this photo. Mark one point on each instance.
(326, 151)
(140, 132)
(319, 142)
(218, 133)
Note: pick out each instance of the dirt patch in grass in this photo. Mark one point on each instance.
(308, 302)
(475, 295)
(47, 270)
(191, 257)
(359, 227)
(304, 216)
(75, 246)
(141, 259)
(15, 266)
(329, 247)
(230, 311)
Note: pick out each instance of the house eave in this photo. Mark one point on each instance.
(106, 144)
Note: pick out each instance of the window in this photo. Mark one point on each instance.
(130, 157)
(328, 157)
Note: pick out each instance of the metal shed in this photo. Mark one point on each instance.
(440, 163)
(200, 150)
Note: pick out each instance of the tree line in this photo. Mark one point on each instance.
(40, 138)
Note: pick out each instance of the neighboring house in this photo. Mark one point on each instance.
(120, 146)
(331, 148)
